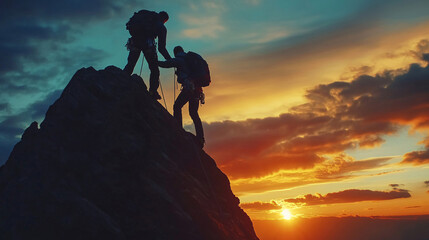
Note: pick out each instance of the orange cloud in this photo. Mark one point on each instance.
(395, 186)
(340, 168)
(417, 157)
(260, 206)
(336, 117)
(258, 147)
(349, 196)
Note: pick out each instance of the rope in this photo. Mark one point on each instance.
(141, 68)
(174, 85)
(162, 92)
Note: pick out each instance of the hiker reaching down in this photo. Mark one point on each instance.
(192, 91)
(144, 27)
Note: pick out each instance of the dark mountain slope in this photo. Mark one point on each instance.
(108, 162)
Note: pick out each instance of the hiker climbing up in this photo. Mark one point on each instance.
(144, 27)
(193, 73)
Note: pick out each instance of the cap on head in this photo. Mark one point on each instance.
(164, 16)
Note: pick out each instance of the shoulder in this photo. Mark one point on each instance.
(161, 27)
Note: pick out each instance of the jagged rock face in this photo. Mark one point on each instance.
(108, 162)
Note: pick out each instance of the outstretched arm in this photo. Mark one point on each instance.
(162, 41)
(172, 62)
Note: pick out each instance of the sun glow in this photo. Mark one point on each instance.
(286, 214)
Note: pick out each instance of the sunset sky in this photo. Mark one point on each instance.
(317, 107)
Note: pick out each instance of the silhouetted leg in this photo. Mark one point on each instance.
(181, 100)
(193, 112)
(133, 57)
(152, 60)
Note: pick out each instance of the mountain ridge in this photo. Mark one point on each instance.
(109, 162)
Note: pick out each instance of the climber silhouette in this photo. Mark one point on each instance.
(189, 93)
(144, 27)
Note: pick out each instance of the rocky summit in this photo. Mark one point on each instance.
(109, 162)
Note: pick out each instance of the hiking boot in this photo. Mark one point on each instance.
(198, 141)
(155, 95)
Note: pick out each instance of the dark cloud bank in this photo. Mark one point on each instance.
(260, 206)
(34, 34)
(349, 196)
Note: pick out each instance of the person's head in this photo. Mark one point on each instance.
(177, 50)
(164, 16)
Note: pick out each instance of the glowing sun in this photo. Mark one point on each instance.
(286, 214)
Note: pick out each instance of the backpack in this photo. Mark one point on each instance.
(143, 23)
(198, 69)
